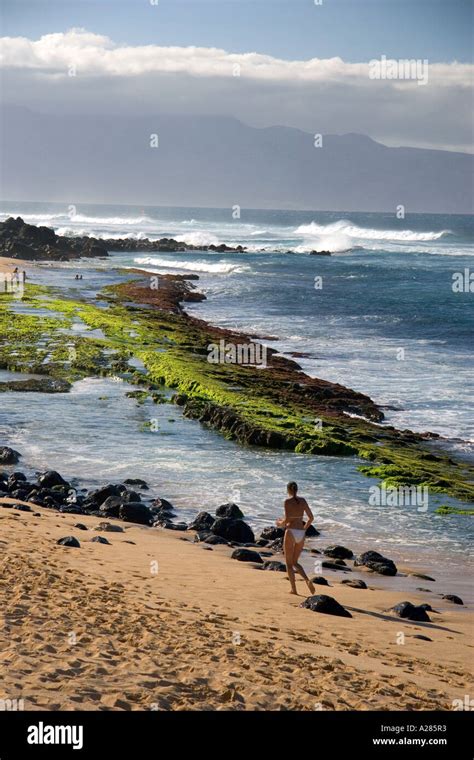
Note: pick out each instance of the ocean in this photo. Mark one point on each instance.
(389, 313)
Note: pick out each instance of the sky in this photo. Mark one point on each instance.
(356, 30)
(292, 63)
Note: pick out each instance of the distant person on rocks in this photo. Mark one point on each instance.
(295, 509)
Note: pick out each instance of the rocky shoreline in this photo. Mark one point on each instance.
(275, 406)
(29, 242)
(129, 502)
(19, 240)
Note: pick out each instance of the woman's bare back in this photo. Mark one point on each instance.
(295, 508)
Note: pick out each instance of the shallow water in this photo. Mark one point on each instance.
(392, 291)
(97, 435)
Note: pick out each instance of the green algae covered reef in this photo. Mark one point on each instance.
(275, 405)
(445, 510)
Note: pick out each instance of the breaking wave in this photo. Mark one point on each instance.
(352, 231)
(221, 267)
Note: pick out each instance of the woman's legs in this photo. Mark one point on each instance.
(299, 568)
(289, 547)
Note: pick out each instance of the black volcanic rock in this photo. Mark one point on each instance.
(169, 525)
(325, 604)
(230, 510)
(338, 552)
(246, 555)
(376, 562)
(109, 527)
(337, 564)
(271, 533)
(202, 521)
(111, 506)
(136, 482)
(97, 497)
(453, 598)
(8, 456)
(410, 611)
(162, 507)
(233, 530)
(213, 540)
(20, 240)
(69, 541)
(320, 580)
(137, 512)
(51, 478)
(354, 583)
(274, 566)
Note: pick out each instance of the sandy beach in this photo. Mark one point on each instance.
(154, 621)
(7, 265)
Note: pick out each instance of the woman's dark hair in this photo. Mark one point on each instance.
(292, 487)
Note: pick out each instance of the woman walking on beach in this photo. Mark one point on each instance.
(295, 509)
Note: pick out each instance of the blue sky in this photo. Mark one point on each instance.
(355, 30)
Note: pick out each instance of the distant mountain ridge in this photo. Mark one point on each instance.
(218, 161)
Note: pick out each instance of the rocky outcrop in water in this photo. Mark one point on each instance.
(233, 530)
(338, 552)
(8, 455)
(20, 240)
(202, 522)
(36, 385)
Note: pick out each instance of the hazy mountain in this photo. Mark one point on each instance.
(219, 161)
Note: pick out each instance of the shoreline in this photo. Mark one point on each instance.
(40, 243)
(162, 633)
(411, 564)
(140, 623)
(267, 406)
(29, 242)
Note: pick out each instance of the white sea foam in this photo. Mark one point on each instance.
(198, 238)
(337, 237)
(79, 232)
(366, 233)
(110, 221)
(335, 243)
(222, 267)
(33, 218)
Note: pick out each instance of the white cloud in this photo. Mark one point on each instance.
(322, 95)
(96, 54)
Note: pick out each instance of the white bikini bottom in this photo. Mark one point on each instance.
(298, 535)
